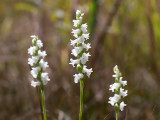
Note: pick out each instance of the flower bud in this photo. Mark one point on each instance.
(79, 68)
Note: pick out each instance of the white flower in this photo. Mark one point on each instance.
(34, 84)
(35, 71)
(73, 42)
(76, 32)
(124, 83)
(122, 105)
(78, 13)
(33, 38)
(73, 62)
(77, 77)
(45, 77)
(76, 22)
(43, 64)
(30, 61)
(87, 46)
(33, 60)
(87, 71)
(84, 58)
(86, 36)
(114, 86)
(115, 69)
(42, 53)
(84, 28)
(76, 51)
(123, 92)
(117, 72)
(114, 99)
(80, 39)
(39, 43)
(111, 101)
(32, 50)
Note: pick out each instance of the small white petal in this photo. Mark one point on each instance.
(86, 36)
(33, 36)
(76, 51)
(73, 62)
(34, 72)
(123, 92)
(77, 77)
(42, 53)
(115, 68)
(34, 84)
(84, 58)
(80, 39)
(122, 105)
(30, 62)
(114, 86)
(39, 43)
(115, 76)
(32, 50)
(76, 32)
(124, 83)
(87, 46)
(43, 64)
(45, 78)
(73, 42)
(78, 12)
(76, 22)
(87, 71)
(111, 101)
(84, 28)
(33, 60)
(114, 99)
(116, 71)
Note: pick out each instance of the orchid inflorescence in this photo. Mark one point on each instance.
(116, 100)
(81, 54)
(81, 48)
(37, 63)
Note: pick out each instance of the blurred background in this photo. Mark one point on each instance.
(122, 32)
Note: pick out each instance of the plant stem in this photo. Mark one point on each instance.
(81, 98)
(117, 115)
(43, 103)
(40, 101)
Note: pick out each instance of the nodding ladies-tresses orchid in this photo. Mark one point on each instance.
(37, 62)
(81, 48)
(80, 52)
(38, 66)
(116, 100)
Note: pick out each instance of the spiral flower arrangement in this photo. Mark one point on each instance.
(120, 93)
(80, 52)
(38, 66)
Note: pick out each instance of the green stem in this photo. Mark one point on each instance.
(43, 103)
(81, 98)
(117, 115)
(40, 101)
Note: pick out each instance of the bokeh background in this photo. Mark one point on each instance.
(122, 32)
